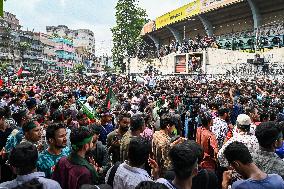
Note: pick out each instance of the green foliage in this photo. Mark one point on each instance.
(79, 68)
(3, 66)
(129, 21)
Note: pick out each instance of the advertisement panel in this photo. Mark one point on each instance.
(179, 14)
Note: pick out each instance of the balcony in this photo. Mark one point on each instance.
(32, 57)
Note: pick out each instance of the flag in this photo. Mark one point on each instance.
(111, 98)
(20, 71)
(89, 113)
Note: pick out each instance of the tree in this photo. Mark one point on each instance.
(79, 68)
(129, 21)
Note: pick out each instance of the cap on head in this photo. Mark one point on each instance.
(243, 119)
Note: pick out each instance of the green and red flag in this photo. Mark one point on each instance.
(111, 99)
(20, 70)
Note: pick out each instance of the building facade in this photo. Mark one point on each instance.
(65, 53)
(83, 42)
(49, 53)
(31, 49)
(9, 40)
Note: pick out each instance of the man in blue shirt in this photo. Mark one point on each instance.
(240, 159)
(56, 138)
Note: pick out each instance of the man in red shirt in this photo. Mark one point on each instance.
(73, 171)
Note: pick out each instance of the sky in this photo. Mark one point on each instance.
(96, 15)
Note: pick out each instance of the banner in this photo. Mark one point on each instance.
(179, 14)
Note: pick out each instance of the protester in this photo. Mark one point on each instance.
(121, 111)
(100, 154)
(162, 143)
(238, 156)
(73, 171)
(57, 141)
(130, 173)
(137, 126)
(243, 135)
(113, 138)
(270, 137)
(185, 166)
(207, 140)
(23, 159)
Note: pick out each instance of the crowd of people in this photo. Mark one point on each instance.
(190, 45)
(174, 133)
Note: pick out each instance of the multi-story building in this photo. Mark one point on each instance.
(31, 49)
(49, 53)
(83, 41)
(65, 53)
(9, 40)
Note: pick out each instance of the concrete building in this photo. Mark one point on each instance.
(83, 41)
(50, 60)
(31, 49)
(65, 53)
(9, 40)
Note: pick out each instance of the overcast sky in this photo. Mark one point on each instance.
(96, 15)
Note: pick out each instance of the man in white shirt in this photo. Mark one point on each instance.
(130, 173)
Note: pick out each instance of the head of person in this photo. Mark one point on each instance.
(124, 121)
(243, 122)
(206, 119)
(31, 103)
(264, 117)
(137, 123)
(106, 116)
(57, 116)
(150, 185)
(167, 123)
(224, 113)
(32, 131)
(20, 117)
(96, 133)
(238, 157)
(253, 113)
(91, 100)
(81, 139)
(56, 135)
(23, 158)
(2, 118)
(269, 135)
(71, 98)
(184, 161)
(138, 151)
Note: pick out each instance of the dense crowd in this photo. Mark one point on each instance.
(167, 133)
(190, 45)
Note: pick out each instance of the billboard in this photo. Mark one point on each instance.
(179, 14)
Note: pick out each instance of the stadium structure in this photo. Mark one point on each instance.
(236, 33)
